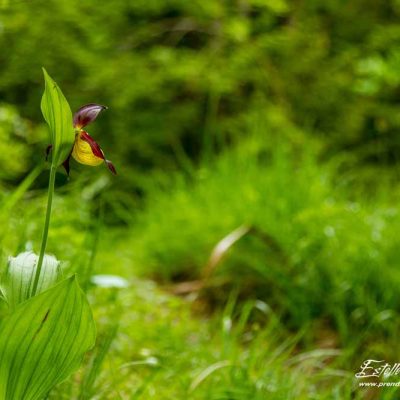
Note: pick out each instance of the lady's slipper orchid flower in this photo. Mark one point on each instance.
(85, 150)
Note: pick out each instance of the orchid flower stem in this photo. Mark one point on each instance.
(50, 192)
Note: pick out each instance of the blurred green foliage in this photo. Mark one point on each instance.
(278, 115)
(306, 239)
(186, 74)
(13, 149)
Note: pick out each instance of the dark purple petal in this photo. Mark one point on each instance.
(65, 164)
(111, 167)
(96, 150)
(87, 114)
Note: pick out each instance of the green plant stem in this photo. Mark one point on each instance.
(50, 192)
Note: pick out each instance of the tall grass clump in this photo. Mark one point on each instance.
(310, 250)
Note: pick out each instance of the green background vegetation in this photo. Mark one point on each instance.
(280, 116)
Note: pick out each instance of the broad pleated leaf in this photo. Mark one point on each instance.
(17, 280)
(43, 341)
(57, 113)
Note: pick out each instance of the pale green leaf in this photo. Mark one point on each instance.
(17, 280)
(43, 341)
(57, 113)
